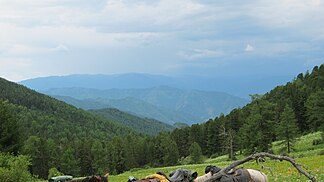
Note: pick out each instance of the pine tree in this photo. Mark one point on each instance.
(69, 163)
(134, 151)
(250, 134)
(118, 155)
(9, 130)
(98, 156)
(287, 129)
(170, 153)
(181, 137)
(195, 153)
(196, 134)
(214, 144)
(38, 150)
(85, 157)
(257, 132)
(315, 110)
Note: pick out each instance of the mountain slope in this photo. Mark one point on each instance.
(163, 103)
(130, 105)
(150, 126)
(255, 126)
(28, 100)
(56, 134)
(45, 116)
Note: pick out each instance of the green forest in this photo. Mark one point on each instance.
(44, 133)
(140, 125)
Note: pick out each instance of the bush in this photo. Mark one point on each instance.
(195, 153)
(54, 172)
(14, 168)
(185, 160)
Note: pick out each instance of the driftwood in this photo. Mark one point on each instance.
(258, 156)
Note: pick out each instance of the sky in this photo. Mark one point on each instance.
(212, 38)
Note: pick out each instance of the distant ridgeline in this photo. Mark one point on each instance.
(150, 96)
(162, 103)
(80, 143)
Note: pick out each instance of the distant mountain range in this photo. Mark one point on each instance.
(167, 104)
(188, 99)
(241, 87)
(167, 99)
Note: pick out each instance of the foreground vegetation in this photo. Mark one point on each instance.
(56, 135)
(309, 155)
(275, 170)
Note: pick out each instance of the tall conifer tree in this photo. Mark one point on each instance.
(287, 128)
(9, 130)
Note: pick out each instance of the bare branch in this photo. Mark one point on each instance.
(258, 156)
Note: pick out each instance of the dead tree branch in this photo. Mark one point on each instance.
(258, 156)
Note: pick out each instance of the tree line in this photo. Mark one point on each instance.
(81, 144)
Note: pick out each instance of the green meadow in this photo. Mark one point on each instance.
(310, 156)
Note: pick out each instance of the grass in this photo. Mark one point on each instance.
(310, 156)
(275, 170)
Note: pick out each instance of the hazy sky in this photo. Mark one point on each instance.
(168, 37)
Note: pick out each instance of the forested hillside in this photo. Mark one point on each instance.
(141, 125)
(281, 114)
(53, 133)
(45, 116)
(130, 105)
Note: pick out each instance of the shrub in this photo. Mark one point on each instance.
(195, 153)
(54, 172)
(14, 168)
(185, 160)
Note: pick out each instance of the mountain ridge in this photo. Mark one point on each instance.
(163, 103)
(26, 100)
(151, 126)
(241, 87)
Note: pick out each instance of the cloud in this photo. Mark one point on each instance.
(164, 12)
(197, 54)
(46, 36)
(16, 68)
(18, 50)
(249, 48)
(23, 50)
(60, 48)
(140, 35)
(288, 14)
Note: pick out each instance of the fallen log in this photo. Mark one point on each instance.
(257, 157)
